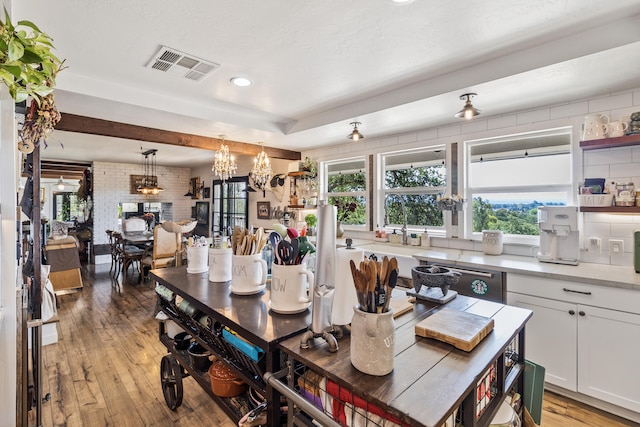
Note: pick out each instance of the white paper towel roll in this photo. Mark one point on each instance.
(345, 294)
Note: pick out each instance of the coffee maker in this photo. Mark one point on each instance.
(559, 235)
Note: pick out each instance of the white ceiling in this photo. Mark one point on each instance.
(317, 66)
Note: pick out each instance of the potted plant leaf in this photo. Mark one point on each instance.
(28, 68)
(311, 220)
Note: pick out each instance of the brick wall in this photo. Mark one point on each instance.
(111, 187)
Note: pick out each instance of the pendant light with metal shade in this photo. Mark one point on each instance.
(355, 135)
(61, 184)
(468, 111)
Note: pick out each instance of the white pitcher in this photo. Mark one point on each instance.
(590, 120)
(595, 131)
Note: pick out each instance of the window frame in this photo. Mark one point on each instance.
(469, 190)
(383, 192)
(324, 188)
(221, 213)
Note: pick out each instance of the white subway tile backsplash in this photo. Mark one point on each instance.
(446, 131)
(533, 116)
(568, 110)
(501, 122)
(603, 104)
(609, 156)
(407, 138)
(598, 171)
(473, 126)
(428, 134)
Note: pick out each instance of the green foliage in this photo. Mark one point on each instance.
(311, 220)
(421, 208)
(524, 222)
(27, 65)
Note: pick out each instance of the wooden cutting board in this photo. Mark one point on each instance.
(401, 305)
(462, 330)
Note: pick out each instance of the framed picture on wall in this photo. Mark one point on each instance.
(264, 208)
(206, 192)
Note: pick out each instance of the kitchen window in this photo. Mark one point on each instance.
(346, 184)
(413, 178)
(508, 178)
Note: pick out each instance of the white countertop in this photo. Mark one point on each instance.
(596, 274)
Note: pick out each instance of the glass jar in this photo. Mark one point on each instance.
(625, 194)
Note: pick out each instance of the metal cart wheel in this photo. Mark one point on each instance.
(171, 379)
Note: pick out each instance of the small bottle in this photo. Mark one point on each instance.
(378, 233)
(425, 239)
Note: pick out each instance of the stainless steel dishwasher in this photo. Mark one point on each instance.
(479, 283)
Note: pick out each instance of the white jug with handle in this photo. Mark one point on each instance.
(595, 126)
(617, 129)
(596, 131)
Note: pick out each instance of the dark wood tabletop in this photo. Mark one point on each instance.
(249, 315)
(430, 378)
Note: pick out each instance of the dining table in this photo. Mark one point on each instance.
(138, 237)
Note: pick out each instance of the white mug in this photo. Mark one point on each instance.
(290, 288)
(248, 274)
(220, 264)
(617, 129)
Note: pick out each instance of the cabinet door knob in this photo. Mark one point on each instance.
(572, 312)
(581, 313)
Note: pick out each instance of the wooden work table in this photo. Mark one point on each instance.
(430, 378)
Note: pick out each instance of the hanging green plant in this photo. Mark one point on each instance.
(28, 67)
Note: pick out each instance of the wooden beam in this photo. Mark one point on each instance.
(93, 126)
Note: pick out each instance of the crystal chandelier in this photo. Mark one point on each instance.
(224, 164)
(149, 184)
(261, 172)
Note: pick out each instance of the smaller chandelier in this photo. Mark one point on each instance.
(224, 164)
(149, 183)
(261, 172)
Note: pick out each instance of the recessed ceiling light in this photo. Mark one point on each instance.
(401, 1)
(241, 81)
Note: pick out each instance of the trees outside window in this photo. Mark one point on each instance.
(346, 184)
(415, 178)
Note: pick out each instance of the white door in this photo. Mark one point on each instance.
(608, 356)
(551, 337)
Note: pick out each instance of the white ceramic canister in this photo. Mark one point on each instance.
(372, 336)
(197, 259)
(492, 242)
(220, 264)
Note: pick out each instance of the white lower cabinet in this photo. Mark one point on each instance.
(551, 339)
(585, 346)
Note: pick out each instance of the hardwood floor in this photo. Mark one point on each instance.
(104, 369)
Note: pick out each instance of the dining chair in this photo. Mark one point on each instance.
(114, 252)
(134, 225)
(127, 255)
(163, 252)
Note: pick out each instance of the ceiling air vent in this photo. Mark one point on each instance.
(182, 64)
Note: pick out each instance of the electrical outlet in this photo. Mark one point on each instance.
(594, 245)
(616, 247)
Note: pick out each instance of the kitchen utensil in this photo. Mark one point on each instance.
(280, 229)
(295, 251)
(292, 233)
(274, 239)
(285, 252)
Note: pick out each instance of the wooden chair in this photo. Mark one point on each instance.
(114, 252)
(163, 253)
(134, 225)
(127, 255)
